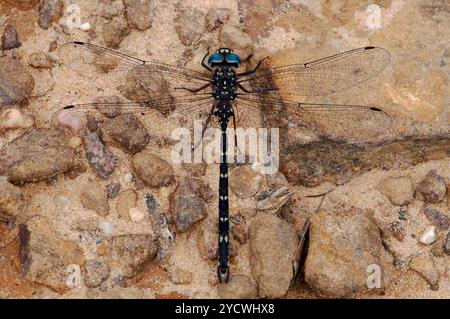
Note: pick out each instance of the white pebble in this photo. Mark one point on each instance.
(429, 236)
(75, 141)
(85, 26)
(15, 118)
(127, 178)
(106, 227)
(136, 215)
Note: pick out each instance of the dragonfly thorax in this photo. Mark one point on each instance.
(224, 83)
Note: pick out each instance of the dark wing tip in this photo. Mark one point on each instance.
(369, 48)
(79, 42)
(68, 107)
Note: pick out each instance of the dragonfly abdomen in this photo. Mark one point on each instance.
(223, 113)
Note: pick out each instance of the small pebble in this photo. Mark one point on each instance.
(70, 121)
(14, 119)
(50, 11)
(10, 38)
(207, 241)
(12, 201)
(112, 190)
(130, 252)
(16, 83)
(187, 203)
(120, 281)
(429, 236)
(72, 22)
(76, 170)
(217, 17)
(403, 214)
(447, 244)
(154, 171)
(94, 197)
(239, 234)
(136, 215)
(53, 46)
(190, 25)
(52, 180)
(425, 266)
(101, 159)
(399, 190)
(276, 180)
(437, 248)
(125, 131)
(106, 227)
(397, 230)
(87, 225)
(244, 181)
(109, 106)
(41, 60)
(432, 188)
(95, 272)
(92, 123)
(75, 141)
(437, 218)
(151, 203)
(128, 178)
(139, 13)
(115, 31)
(37, 155)
(125, 201)
(103, 287)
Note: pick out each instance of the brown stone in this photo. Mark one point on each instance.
(272, 246)
(153, 170)
(342, 245)
(45, 256)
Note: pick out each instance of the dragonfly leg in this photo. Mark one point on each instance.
(238, 115)
(193, 90)
(265, 90)
(205, 126)
(243, 88)
(235, 135)
(203, 62)
(320, 195)
(252, 70)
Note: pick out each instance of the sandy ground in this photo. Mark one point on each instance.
(58, 87)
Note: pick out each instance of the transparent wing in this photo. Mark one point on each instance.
(87, 58)
(351, 122)
(321, 77)
(185, 105)
(147, 84)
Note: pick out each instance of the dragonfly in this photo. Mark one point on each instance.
(221, 88)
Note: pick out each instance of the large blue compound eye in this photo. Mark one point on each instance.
(233, 59)
(216, 58)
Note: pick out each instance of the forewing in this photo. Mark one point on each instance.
(149, 85)
(91, 61)
(321, 77)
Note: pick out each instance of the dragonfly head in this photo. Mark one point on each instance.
(224, 56)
